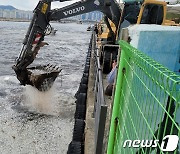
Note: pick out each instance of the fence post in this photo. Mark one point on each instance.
(114, 120)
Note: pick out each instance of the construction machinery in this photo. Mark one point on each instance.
(40, 26)
(133, 12)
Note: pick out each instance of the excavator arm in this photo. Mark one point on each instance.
(110, 8)
(37, 30)
(34, 36)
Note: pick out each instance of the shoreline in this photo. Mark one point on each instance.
(15, 20)
(63, 21)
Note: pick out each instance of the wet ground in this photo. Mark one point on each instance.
(33, 122)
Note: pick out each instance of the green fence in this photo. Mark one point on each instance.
(146, 106)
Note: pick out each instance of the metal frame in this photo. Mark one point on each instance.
(100, 108)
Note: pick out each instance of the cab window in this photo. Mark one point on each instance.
(152, 14)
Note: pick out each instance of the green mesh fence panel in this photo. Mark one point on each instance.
(146, 105)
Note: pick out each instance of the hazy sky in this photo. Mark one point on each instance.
(30, 4)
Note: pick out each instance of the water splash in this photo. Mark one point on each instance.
(42, 102)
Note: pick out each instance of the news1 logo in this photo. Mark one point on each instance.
(169, 143)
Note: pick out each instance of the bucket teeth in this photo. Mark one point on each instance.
(52, 68)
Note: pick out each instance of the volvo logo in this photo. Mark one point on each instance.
(73, 11)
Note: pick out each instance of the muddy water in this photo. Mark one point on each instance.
(33, 122)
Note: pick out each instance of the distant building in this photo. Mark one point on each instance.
(92, 16)
(20, 14)
(17, 14)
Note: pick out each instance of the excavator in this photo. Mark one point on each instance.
(44, 78)
(40, 25)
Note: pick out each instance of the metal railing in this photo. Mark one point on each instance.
(146, 107)
(100, 108)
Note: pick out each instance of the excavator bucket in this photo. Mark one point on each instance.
(43, 77)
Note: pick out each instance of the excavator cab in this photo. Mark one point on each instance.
(133, 12)
(152, 12)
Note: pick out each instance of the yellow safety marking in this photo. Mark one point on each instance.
(44, 8)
